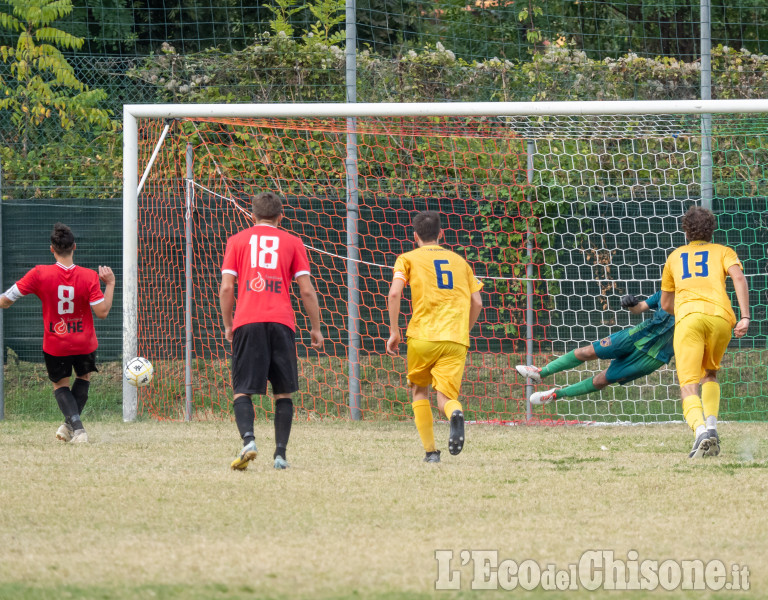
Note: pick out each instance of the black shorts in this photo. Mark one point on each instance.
(264, 352)
(60, 367)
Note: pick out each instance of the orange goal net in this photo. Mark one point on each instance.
(352, 205)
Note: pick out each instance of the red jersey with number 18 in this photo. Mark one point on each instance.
(67, 294)
(265, 261)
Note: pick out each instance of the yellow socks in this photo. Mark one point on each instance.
(710, 399)
(422, 416)
(693, 411)
(450, 406)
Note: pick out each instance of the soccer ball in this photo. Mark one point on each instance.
(139, 371)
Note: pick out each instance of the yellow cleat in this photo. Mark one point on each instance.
(247, 454)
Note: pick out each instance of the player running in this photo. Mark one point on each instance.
(70, 296)
(634, 352)
(693, 288)
(263, 260)
(446, 303)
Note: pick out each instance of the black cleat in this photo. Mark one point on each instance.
(432, 457)
(701, 446)
(714, 443)
(456, 436)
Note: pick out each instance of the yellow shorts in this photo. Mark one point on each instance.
(440, 364)
(700, 342)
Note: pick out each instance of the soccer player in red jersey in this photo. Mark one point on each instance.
(263, 260)
(71, 295)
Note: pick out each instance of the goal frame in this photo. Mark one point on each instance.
(133, 112)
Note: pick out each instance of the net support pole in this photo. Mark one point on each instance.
(2, 330)
(353, 253)
(189, 198)
(152, 158)
(707, 187)
(130, 255)
(531, 148)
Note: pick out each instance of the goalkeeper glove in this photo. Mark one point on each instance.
(629, 301)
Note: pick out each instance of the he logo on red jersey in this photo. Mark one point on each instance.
(257, 285)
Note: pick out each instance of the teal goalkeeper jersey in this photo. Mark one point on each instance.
(655, 336)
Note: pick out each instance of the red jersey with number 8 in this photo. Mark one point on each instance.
(265, 261)
(67, 294)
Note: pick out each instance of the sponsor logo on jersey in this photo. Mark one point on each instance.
(64, 327)
(605, 342)
(259, 284)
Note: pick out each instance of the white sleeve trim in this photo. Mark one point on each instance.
(99, 301)
(401, 275)
(300, 273)
(229, 272)
(13, 293)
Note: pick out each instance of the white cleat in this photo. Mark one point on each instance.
(530, 372)
(543, 397)
(65, 432)
(79, 437)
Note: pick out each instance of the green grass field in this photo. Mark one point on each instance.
(151, 510)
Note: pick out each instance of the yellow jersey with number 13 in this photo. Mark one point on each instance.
(441, 286)
(696, 274)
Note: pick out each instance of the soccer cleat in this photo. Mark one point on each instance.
(281, 463)
(456, 435)
(79, 437)
(65, 432)
(543, 397)
(247, 454)
(701, 446)
(714, 443)
(529, 371)
(432, 457)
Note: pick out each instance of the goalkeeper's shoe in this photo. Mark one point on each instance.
(543, 397)
(701, 446)
(65, 432)
(714, 443)
(456, 435)
(432, 457)
(529, 371)
(247, 454)
(281, 463)
(79, 437)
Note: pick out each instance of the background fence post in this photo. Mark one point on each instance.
(707, 187)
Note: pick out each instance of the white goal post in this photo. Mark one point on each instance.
(132, 170)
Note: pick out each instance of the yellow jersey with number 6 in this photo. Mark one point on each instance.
(696, 274)
(442, 283)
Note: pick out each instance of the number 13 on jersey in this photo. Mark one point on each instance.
(701, 264)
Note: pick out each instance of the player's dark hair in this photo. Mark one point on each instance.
(427, 225)
(699, 224)
(267, 205)
(62, 239)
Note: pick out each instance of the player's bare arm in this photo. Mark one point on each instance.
(668, 302)
(312, 306)
(742, 296)
(227, 303)
(4, 302)
(107, 277)
(475, 308)
(394, 297)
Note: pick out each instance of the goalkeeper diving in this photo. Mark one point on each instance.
(634, 352)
